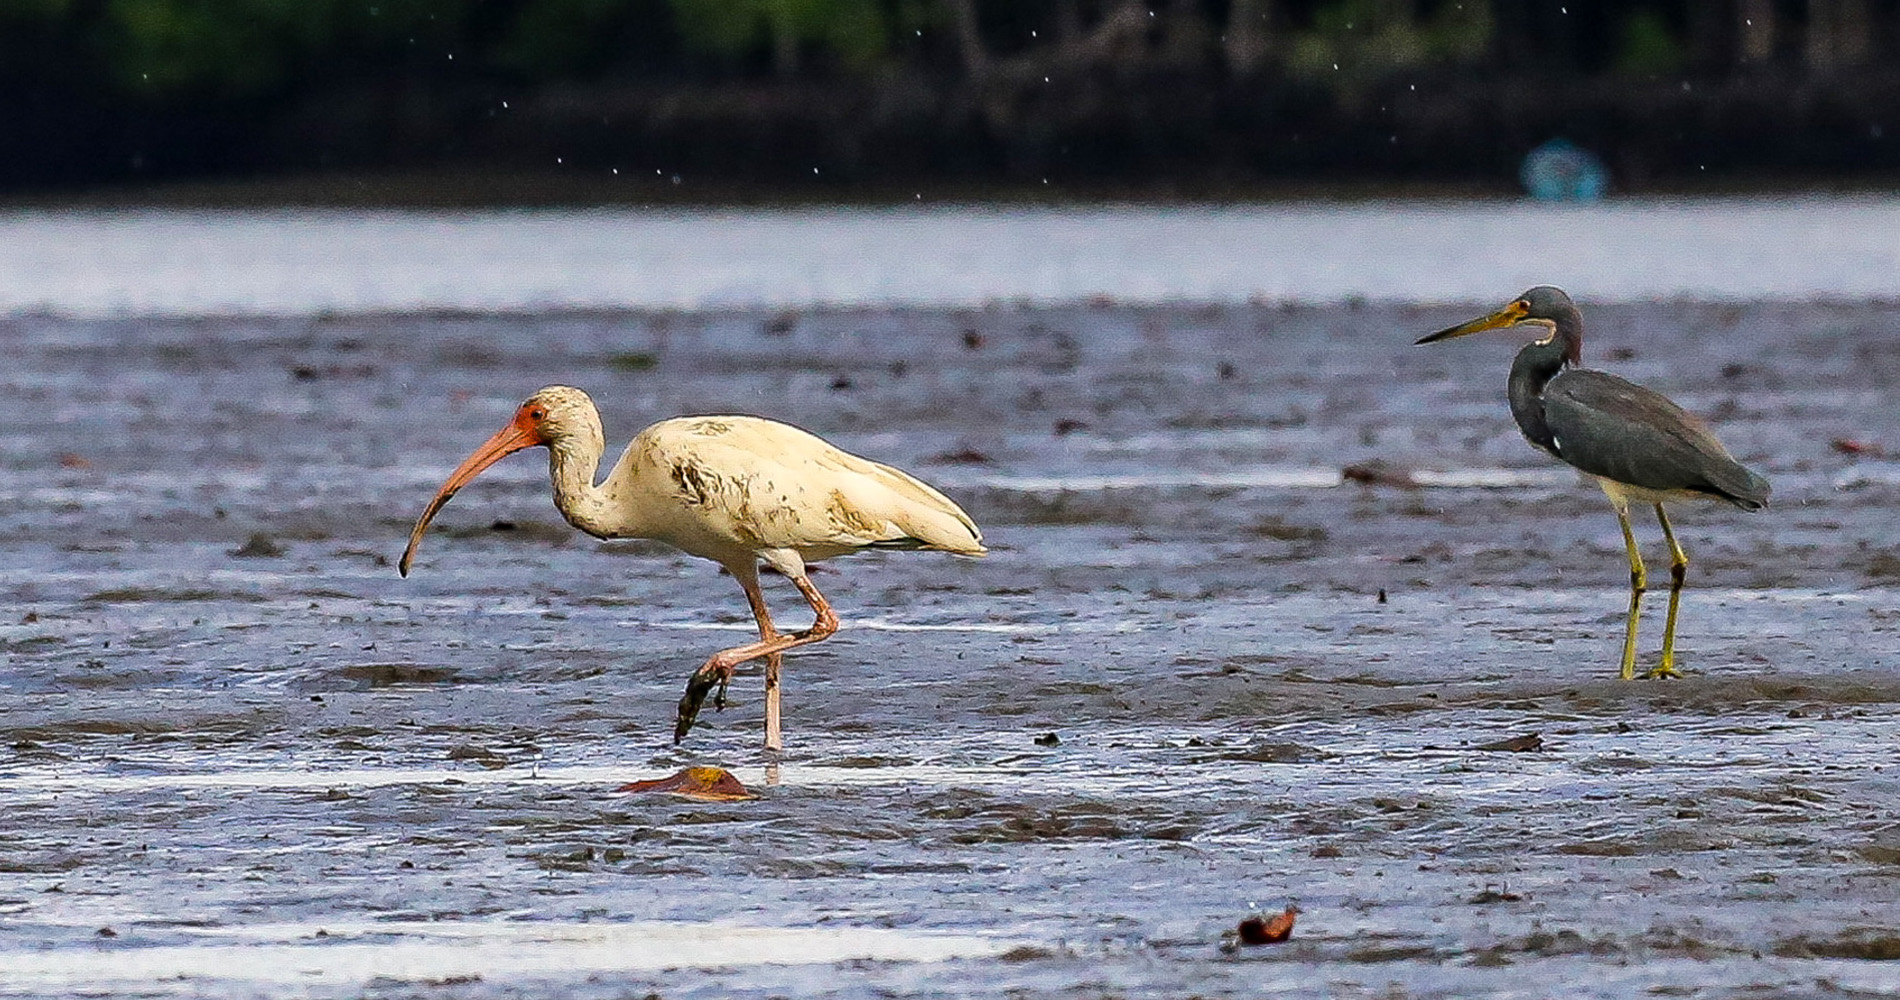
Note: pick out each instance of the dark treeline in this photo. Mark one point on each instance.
(801, 96)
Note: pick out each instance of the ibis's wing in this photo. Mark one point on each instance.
(780, 487)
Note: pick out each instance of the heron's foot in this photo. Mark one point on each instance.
(697, 686)
(1661, 671)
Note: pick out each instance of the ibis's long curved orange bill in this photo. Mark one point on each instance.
(519, 434)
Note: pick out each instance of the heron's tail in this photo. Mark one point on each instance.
(1749, 490)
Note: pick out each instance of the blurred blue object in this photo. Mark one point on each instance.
(1560, 170)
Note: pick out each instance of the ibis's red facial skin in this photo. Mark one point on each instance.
(524, 431)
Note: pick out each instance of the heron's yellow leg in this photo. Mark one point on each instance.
(1638, 583)
(1678, 568)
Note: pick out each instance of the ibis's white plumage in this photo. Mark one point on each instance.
(737, 490)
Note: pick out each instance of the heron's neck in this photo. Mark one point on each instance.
(572, 464)
(1535, 366)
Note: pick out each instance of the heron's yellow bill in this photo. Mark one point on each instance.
(520, 433)
(1510, 315)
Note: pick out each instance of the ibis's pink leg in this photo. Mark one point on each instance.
(718, 670)
(747, 573)
(774, 739)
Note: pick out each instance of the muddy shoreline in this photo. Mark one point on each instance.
(1268, 683)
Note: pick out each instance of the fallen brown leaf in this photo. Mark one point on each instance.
(1268, 930)
(707, 784)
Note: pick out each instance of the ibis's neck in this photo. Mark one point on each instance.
(1535, 366)
(572, 464)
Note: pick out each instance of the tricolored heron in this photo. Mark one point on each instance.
(1634, 442)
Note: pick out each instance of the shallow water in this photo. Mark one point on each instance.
(301, 262)
(299, 774)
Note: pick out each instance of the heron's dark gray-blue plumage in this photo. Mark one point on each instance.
(1634, 441)
(1609, 427)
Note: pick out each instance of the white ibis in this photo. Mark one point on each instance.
(736, 490)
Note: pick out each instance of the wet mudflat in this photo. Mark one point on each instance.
(239, 756)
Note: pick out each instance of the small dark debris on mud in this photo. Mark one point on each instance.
(384, 674)
(1527, 743)
(1048, 740)
(479, 754)
(633, 361)
(107, 932)
(961, 456)
(1277, 528)
(259, 546)
(1866, 944)
(1378, 472)
(1496, 894)
(1277, 753)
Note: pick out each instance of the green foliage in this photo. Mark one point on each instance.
(855, 31)
(1648, 47)
(723, 27)
(1353, 40)
(556, 37)
(1459, 32)
(241, 48)
(33, 10)
(165, 45)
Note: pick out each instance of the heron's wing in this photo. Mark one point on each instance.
(780, 487)
(1610, 427)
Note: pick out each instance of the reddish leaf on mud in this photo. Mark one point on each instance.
(1268, 930)
(707, 784)
(1849, 446)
